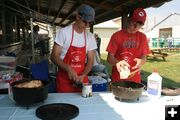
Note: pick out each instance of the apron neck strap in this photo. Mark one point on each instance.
(73, 35)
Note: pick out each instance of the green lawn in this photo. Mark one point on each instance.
(169, 69)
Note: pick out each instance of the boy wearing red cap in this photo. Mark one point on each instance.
(128, 48)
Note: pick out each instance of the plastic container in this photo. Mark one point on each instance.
(99, 87)
(7, 65)
(98, 83)
(154, 85)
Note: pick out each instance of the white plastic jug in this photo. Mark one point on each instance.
(154, 85)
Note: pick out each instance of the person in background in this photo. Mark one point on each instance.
(128, 48)
(38, 42)
(27, 48)
(73, 51)
(161, 41)
(98, 40)
(169, 40)
(100, 68)
(35, 36)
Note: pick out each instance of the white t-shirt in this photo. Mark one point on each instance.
(96, 59)
(64, 36)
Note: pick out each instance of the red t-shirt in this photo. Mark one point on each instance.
(127, 46)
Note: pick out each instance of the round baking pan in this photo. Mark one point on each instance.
(57, 111)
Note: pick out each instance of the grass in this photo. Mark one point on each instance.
(169, 69)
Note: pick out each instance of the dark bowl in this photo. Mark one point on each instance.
(127, 89)
(27, 96)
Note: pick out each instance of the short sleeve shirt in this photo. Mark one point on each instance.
(127, 46)
(64, 36)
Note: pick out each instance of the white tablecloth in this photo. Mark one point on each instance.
(101, 106)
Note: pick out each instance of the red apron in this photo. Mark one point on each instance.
(75, 57)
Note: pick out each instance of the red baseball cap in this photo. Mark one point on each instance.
(139, 15)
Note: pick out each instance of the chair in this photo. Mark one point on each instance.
(41, 71)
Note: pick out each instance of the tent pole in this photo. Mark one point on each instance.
(32, 38)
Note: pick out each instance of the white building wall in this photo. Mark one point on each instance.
(105, 35)
(172, 21)
(176, 32)
(153, 34)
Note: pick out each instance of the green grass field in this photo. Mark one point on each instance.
(169, 69)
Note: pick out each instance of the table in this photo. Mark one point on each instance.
(102, 106)
(157, 52)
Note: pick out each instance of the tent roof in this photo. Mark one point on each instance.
(62, 12)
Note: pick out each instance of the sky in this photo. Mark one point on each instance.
(155, 15)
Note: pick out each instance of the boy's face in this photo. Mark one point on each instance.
(134, 26)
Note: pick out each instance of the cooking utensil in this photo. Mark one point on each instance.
(27, 96)
(171, 91)
(57, 111)
(127, 90)
(132, 74)
(79, 84)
